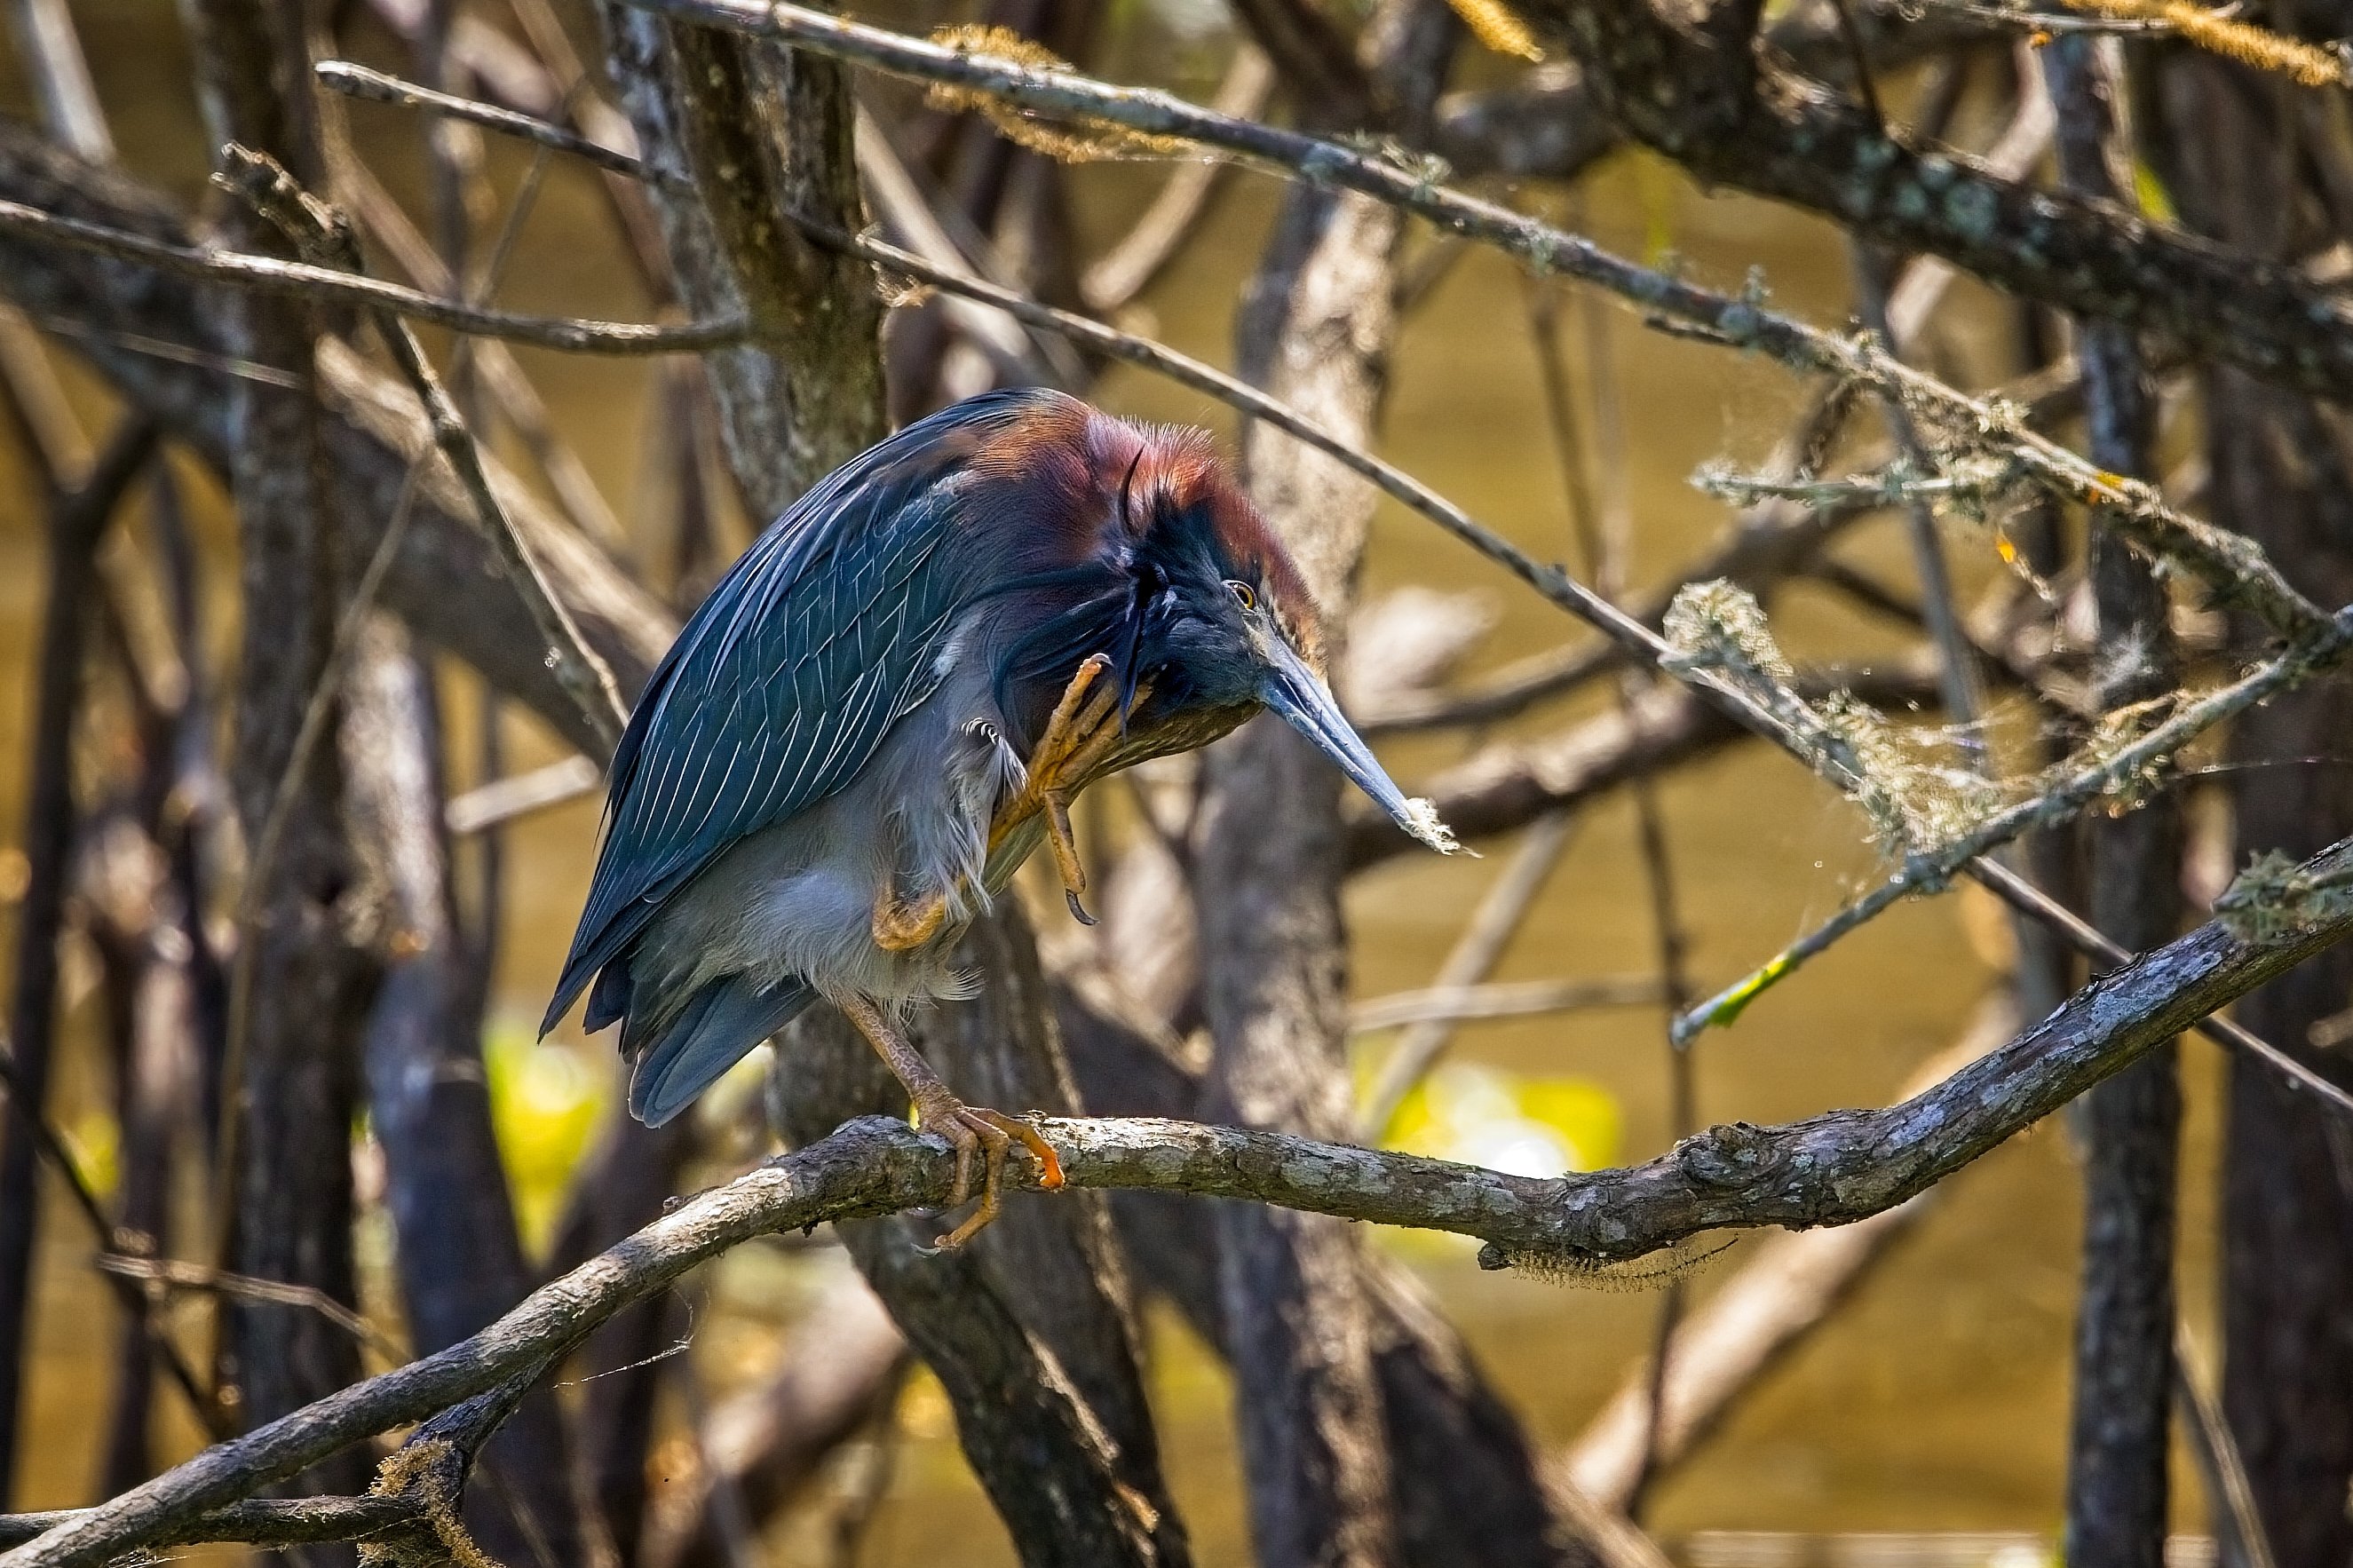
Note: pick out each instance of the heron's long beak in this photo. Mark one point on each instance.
(1296, 692)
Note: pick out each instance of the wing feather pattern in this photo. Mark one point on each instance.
(784, 684)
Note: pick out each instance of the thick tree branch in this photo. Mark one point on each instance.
(1830, 1169)
(760, 130)
(1775, 134)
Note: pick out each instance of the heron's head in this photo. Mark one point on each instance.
(1188, 590)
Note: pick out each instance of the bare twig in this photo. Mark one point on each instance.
(904, 207)
(52, 1148)
(2229, 1491)
(176, 1274)
(300, 279)
(1502, 999)
(502, 375)
(504, 800)
(1964, 694)
(357, 80)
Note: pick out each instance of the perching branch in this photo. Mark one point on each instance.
(1830, 1169)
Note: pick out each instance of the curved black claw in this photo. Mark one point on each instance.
(1077, 909)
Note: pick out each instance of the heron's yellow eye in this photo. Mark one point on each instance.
(1242, 595)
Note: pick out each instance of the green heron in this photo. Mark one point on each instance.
(889, 700)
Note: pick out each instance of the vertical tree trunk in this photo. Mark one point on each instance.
(461, 1262)
(1315, 328)
(75, 523)
(2288, 1189)
(763, 130)
(297, 1088)
(2131, 1123)
(1029, 1330)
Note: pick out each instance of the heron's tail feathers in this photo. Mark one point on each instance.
(711, 1032)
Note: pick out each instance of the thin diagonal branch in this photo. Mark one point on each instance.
(357, 80)
(307, 223)
(303, 280)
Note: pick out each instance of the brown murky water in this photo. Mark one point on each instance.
(1935, 1400)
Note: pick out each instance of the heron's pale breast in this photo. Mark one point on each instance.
(796, 900)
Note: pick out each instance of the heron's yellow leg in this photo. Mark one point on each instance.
(970, 1129)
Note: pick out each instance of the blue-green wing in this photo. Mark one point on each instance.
(785, 682)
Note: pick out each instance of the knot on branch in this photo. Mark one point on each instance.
(1729, 1155)
(319, 232)
(2274, 897)
(429, 1473)
(1718, 627)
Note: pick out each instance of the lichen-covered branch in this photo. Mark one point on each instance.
(1737, 119)
(2118, 771)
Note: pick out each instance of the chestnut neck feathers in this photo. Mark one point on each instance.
(1121, 539)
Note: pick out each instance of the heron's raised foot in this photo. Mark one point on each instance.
(1083, 728)
(970, 1129)
(900, 925)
